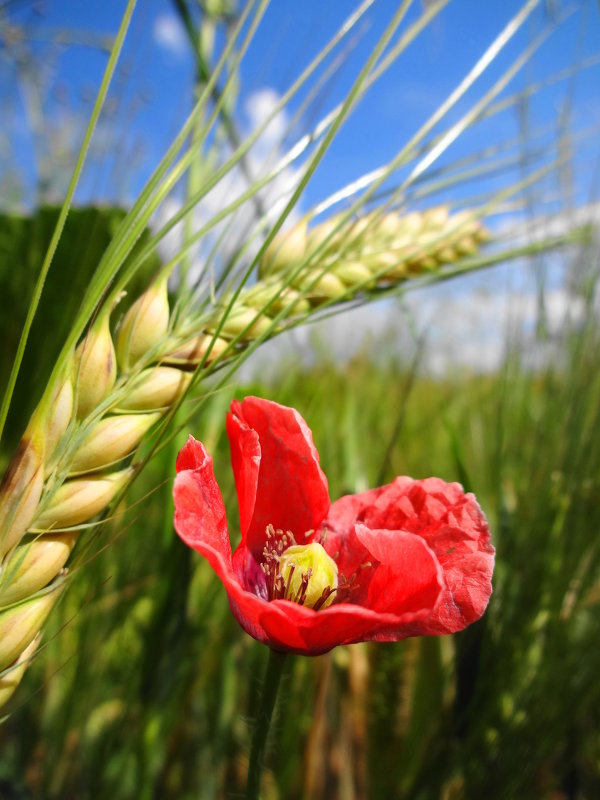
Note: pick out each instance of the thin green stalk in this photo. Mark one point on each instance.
(117, 258)
(377, 177)
(239, 153)
(274, 671)
(102, 277)
(347, 105)
(225, 168)
(102, 92)
(196, 166)
(203, 74)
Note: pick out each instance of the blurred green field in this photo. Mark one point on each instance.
(145, 686)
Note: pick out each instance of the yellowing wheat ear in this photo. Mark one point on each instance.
(144, 325)
(72, 461)
(21, 488)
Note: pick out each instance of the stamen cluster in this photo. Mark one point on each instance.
(276, 544)
(303, 574)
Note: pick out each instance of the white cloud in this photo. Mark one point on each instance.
(551, 225)
(240, 226)
(259, 105)
(465, 330)
(471, 330)
(169, 34)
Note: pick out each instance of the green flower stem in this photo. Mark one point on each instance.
(274, 671)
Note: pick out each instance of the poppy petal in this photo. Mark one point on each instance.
(291, 490)
(453, 525)
(199, 509)
(416, 556)
(303, 630)
(338, 535)
(408, 576)
(245, 460)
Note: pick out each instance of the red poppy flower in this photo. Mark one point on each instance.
(408, 559)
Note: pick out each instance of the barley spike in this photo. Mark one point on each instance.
(73, 460)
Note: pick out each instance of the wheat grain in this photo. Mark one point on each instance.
(69, 466)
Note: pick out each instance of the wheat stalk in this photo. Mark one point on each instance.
(76, 454)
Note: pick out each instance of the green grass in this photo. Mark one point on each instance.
(146, 687)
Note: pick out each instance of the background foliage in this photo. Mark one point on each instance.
(24, 239)
(145, 687)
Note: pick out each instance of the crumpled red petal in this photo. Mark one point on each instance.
(200, 522)
(454, 527)
(281, 483)
(408, 576)
(339, 538)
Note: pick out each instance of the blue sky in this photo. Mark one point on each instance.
(46, 104)
(152, 91)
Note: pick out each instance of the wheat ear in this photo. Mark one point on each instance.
(75, 457)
